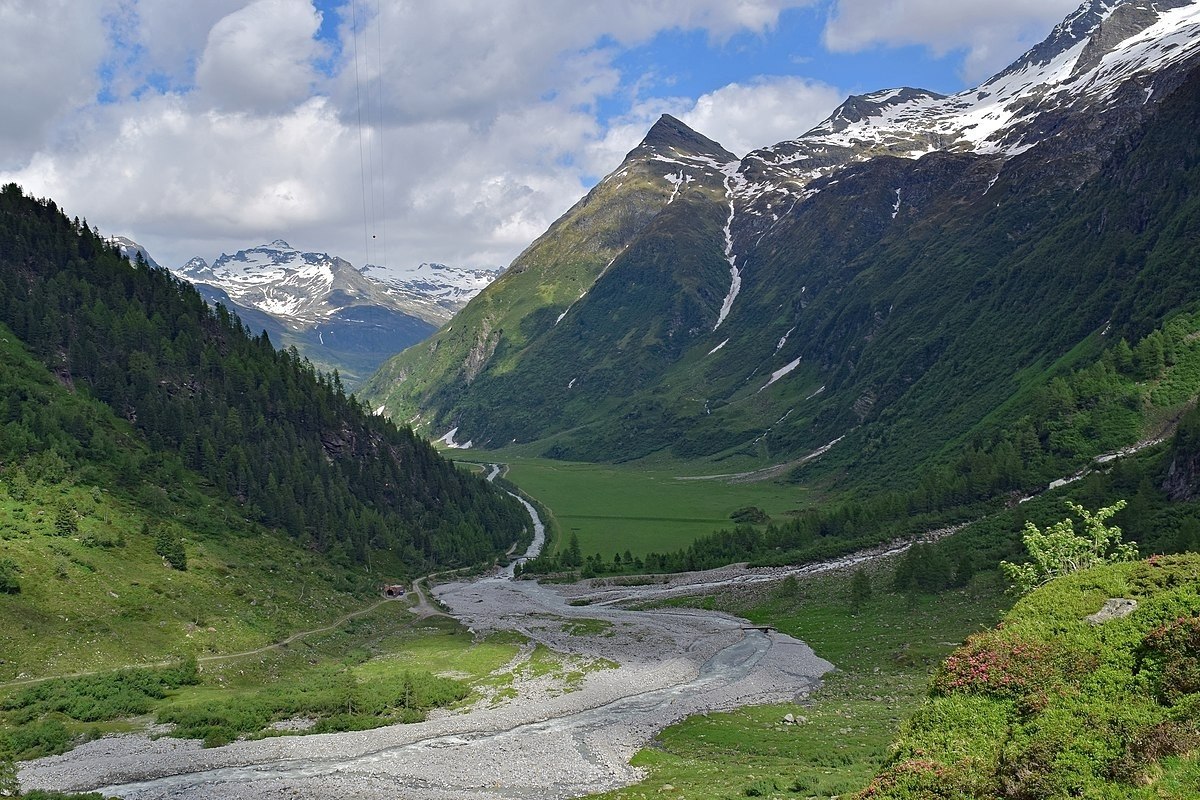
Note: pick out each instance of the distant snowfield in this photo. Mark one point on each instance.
(301, 287)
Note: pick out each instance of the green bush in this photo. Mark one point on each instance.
(334, 699)
(94, 698)
(37, 739)
(1048, 705)
(8, 576)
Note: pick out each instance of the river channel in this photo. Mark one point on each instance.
(670, 663)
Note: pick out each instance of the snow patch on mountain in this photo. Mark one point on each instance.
(732, 179)
(448, 439)
(783, 339)
(779, 373)
(678, 180)
(435, 285)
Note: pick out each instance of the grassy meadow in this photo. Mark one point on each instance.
(614, 508)
(884, 650)
(383, 667)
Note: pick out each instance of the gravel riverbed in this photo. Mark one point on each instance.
(671, 663)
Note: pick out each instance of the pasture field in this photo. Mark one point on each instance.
(613, 508)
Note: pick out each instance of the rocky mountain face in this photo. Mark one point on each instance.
(884, 281)
(338, 316)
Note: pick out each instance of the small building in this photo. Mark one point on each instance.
(392, 590)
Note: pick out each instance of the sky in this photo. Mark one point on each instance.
(455, 131)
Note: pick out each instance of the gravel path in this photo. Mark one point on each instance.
(672, 663)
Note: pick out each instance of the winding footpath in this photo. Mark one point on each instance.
(670, 664)
(337, 623)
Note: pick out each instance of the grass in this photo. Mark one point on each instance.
(613, 508)
(384, 667)
(884, 653)
(102, 598)
(1051, 705)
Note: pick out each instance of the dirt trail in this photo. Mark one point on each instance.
(337, 623)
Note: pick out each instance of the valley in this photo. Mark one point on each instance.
(864, 464)
(546, 741)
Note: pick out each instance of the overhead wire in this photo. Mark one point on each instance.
(362, 160)
(381, 173)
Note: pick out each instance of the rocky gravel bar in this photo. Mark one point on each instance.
(671, 663)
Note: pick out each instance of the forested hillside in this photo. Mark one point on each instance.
(262, 426)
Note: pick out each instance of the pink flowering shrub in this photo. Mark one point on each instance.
(1002, 666)
(1171, 653)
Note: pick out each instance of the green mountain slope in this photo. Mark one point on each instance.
(1051, 705)
(85, 511)
(260, 427)
(488, 340)
(902, 308)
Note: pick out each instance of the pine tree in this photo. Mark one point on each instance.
(574, 555)
(171, 549)
(65, 523)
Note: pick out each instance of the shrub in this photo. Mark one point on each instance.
(8, 576)
(1152, 744)
(761, 788)
(1171, 655)
(1058, 550)
(1009, 666)
(913, 777)
(8, 775)
(37, 739)
(749, 515)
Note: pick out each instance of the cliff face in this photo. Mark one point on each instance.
(1183, 474)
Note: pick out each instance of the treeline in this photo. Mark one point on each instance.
(812, 535)
(263, 426)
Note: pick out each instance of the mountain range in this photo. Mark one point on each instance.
(336, 315)
(894, 284)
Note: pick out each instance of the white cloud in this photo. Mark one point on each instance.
(219, 130)
(992, 34)
(52, 49)
(260, 57)
(170, 36)
(470, 60)
(744, 117)
(202, 127)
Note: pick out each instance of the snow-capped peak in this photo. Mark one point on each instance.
(1085, 61)
(440, 286)
(282, 281)
(130, 249)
